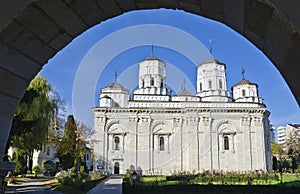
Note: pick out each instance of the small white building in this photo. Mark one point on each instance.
(47, 153)
(158, 133)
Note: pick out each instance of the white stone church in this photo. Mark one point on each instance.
(158, 133)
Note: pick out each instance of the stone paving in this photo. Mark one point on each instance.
(32, 186)
(111, 185)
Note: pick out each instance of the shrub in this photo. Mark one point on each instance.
(20, 168)
(37, 169)
(95, 175)
(77, 180)
(62, 177)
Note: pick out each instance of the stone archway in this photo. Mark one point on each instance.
(33, 31)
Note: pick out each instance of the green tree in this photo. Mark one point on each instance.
(278, 155)
(32, 118)
(293, 146)
(83, 134)
(277, 149)
(275, 163)
(67, 145)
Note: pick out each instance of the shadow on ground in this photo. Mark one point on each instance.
(208, 189)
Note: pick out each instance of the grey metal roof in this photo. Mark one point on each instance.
(184, 92)
(116, 85)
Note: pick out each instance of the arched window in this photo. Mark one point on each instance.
(152, 81)
(220, 84)
(200, 87)
(161, 144)
(143, 83)
(117, 142)
(161, 83)
(209, 84)
(226, 143)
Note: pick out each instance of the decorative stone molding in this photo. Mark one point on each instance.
(111, 123)
(258, 121)
(176, 120)
(226, 126)
(198, 107)
(101, 119)
(134, 119)
(145, 119)
(245, 121)
(206, 121)
(193, 121)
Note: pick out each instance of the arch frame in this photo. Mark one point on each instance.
(32, 32)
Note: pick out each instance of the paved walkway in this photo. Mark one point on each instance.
(32, 186)
(111, 185)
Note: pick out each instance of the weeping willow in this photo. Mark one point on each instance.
(32, 119)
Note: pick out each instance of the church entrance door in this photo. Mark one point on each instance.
(117, 168)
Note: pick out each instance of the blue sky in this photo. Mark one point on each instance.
(89, 62)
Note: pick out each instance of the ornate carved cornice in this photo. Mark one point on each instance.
(182, 110)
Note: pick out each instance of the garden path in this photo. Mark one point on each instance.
(32, 186)
(111, 185)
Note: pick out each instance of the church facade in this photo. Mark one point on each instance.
(156, 132)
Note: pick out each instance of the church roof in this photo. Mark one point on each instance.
(212, 60)
(244, 81)
(152, 57)
(116, 85)
(184, 92)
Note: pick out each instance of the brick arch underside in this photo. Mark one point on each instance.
(33, 31)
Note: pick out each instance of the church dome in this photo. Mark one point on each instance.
(244, 82)
(152, 57)
(116, 85)
(184, 92)
(212, 60)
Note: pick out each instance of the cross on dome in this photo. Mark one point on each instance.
(243, 73)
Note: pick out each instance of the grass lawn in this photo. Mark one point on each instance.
(160, 184)
(23, 178)
(53, 183)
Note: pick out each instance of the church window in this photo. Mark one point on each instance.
(209, 84)
(220, 84)
(226, 143)
(143, 83)
(243, 92)
(200, 87)
(161, 144)
(161, 83)
(152, 81)
(117, 142)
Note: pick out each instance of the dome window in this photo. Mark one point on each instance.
(243, 92)
(209, 84)
(220, 84)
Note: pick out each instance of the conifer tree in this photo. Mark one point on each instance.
(67, 145)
